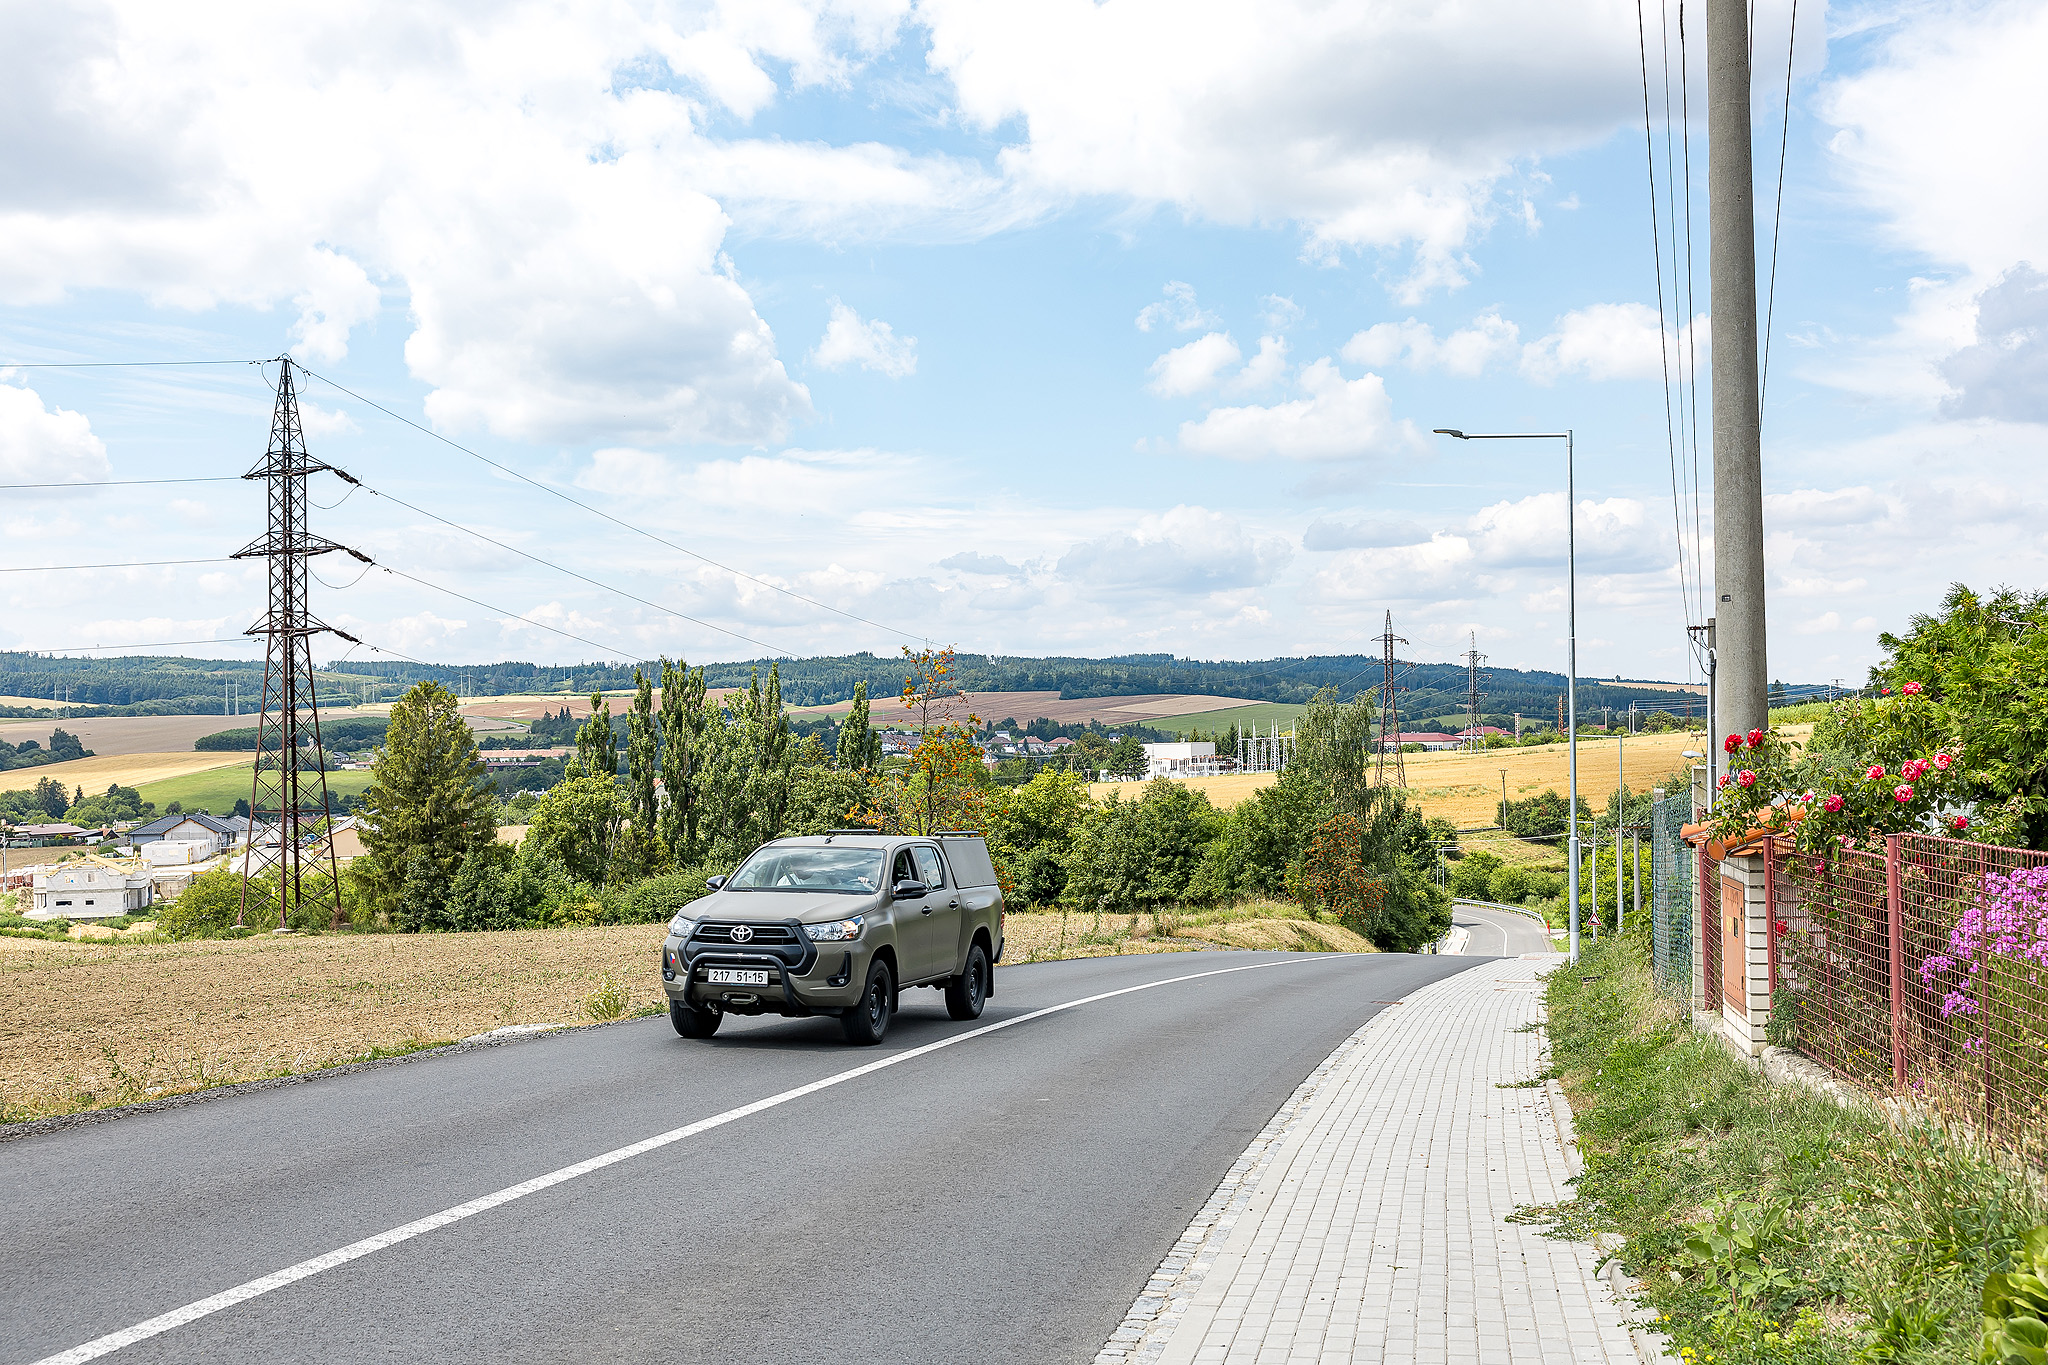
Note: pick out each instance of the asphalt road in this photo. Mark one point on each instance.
(1500, 933)
(1002, 1199)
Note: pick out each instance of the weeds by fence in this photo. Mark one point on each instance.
(1671, 898)
(1921, 968)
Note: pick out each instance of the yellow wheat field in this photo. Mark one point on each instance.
(129, 770)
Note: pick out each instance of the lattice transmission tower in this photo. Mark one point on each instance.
(1390, 712)
(1473, 658)
(288, 721)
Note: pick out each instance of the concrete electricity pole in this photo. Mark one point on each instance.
(1742, 677)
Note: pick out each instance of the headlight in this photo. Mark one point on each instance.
(838, 931)
(682, 924)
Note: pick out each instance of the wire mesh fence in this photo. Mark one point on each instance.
(1671, 898)
(1922, 968)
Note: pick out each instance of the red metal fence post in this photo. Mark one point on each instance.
(1895, 913)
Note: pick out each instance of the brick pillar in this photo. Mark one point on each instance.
(1745, 926)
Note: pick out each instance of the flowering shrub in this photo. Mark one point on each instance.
(1890, 772)
(2008, 921)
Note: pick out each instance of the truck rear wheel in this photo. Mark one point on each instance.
(692, 1022)
(967, 992)
(867, 1019)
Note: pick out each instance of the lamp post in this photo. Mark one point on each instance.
(1571, 574)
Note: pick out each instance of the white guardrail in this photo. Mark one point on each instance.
(1524, 911)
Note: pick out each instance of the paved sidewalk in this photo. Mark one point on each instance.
(1368, 1222)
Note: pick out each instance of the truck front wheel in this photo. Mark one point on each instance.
(691, 1022)
(867, 1019)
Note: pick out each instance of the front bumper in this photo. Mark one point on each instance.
(802, 979)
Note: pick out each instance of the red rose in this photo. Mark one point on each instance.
(1732, 743)
(1756, 739)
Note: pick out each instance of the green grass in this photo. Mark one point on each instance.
(1867, 1241)
(217, 789)
(1265, 715)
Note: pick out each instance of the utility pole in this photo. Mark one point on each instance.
(287, 627)
(1744, 687)
(1390, 711)
(1473, 658)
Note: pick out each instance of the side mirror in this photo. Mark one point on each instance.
(713, 883)
(911, 890)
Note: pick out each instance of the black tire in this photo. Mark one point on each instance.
(691, 1021)
(867, 1019)
(968, 992)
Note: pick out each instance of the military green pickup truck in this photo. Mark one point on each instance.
(838, 924)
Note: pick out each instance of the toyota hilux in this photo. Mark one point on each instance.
(838, 924)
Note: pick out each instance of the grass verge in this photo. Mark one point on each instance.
(1260, 924)
(1766, 1223)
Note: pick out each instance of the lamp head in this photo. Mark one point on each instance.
(1449, 431)
(1692, 753)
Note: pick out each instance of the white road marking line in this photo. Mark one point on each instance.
(292, 1274)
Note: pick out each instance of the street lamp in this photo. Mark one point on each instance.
(1571, 573)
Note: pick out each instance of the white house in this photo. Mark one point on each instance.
(196, 827)
(1185, 760)
(89, 891)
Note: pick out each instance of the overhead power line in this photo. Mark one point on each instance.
(1778, 213)
(126, 564)
(109, 364)
(617, 521)
(147, 644)
(125, 483)
(610, 649)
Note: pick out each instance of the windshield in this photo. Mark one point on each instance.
(853, 871)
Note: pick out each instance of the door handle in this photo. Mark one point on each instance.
(925, 911)
(953, 904)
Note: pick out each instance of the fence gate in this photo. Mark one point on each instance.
(1671, 893)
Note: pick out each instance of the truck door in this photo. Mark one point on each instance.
(944, 906)
(913, 918)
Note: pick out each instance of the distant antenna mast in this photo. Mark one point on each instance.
(1390, 712)
(1473, 658)
(288, 723)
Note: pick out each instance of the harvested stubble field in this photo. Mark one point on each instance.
(128, 770)
(85, 1025)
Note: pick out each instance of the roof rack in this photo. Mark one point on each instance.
(956, 834)
(864, 829)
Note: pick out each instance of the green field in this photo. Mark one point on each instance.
(1265, 715)
(217, 789)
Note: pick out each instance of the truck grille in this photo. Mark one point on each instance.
(764, 935)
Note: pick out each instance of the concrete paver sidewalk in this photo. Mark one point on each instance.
(1368, 1221)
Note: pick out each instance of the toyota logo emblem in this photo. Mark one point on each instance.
(742, 934)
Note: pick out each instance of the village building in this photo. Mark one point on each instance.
(84, 891)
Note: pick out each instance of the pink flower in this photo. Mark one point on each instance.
(1911, 689)
(1959, 824)
(1746, 778)
(1876, 773)
(1943, 760)
(1724, 780)
(1756, 739)
(1808, 798)
(1731, 744)
(1913, 768)
(1832, 804)
(1902, 793)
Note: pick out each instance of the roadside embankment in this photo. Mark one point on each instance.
(1768, 1223)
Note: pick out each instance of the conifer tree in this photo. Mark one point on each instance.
(683, 721)
(597, 753)
(640, 761)
(859, 746)
(424, 796)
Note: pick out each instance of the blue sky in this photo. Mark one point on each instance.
(1061, 328)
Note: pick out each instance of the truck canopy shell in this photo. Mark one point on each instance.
(968, 855)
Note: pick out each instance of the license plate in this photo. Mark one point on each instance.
(727, 976)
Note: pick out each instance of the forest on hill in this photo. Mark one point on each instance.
(158, 685)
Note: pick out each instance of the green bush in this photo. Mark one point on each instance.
(2016, 1306)
(658, 898)
(1473, 873)
(207, 908)
(1509, 885)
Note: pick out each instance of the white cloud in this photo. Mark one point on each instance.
(1612, 341)
(1376, 127)
(871, 345)
(1277, 313)
(1177, 310)
(2004, 373)
(1194, 367)
(793, 482)
(1339, 419)
(1187, 550)
(1466, 352)
(1361, 535)
(1265, 369)
(46, 445)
